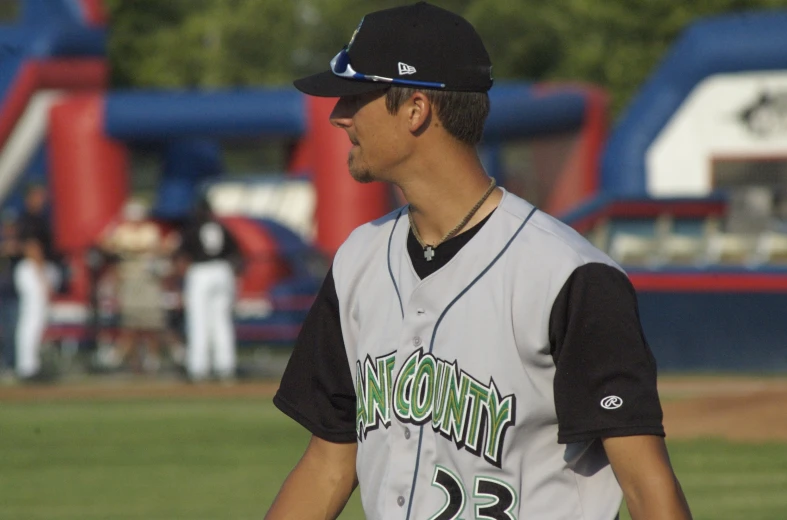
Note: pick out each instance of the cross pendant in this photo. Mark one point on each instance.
(428, 253)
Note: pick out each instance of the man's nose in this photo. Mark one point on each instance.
(341, 116)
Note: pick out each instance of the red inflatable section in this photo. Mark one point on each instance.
(300, 160)
(342, 203)
(65, 74)
(578, 179)
(88, 176)
(264, 266)
(94, 12)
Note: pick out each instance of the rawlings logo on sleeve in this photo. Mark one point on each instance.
(473, 415)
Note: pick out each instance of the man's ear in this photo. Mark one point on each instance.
(419, 113)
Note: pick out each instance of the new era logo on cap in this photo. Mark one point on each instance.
(405, 69)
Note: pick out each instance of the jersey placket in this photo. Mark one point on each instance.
(412, 446)
(405, 440)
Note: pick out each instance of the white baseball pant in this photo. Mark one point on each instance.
(33, 286)
(209, 295)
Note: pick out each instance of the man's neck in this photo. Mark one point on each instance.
(443, 190)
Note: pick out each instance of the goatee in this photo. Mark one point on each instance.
(362, 175)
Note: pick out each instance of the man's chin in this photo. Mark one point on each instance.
(364, 176)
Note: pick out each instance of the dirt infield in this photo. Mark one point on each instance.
(733, 408)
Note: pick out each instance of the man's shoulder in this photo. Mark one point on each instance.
(365, 249)
(554, 240)
(366, 234)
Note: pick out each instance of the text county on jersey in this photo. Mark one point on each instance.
(473, 415)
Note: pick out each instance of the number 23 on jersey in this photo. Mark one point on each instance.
(493, 499)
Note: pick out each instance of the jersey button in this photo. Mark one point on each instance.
(406, 433)
(400, 501)
(417, 341)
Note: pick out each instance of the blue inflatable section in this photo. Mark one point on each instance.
(187, 164)
(50, 12)
(46, 29)
(744, 42)
(162, 115)
(298, 253)
(519, 110)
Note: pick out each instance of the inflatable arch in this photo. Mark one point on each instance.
(714, 62)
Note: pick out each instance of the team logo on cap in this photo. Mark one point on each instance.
(405, 69)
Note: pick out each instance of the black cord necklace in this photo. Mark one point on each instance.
(429, 248)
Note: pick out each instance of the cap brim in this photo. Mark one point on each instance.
(328, 84)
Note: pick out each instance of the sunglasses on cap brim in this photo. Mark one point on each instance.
(340, 66)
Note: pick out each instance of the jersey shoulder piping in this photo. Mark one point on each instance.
(388, 258)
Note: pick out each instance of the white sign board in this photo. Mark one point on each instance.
(741, 115)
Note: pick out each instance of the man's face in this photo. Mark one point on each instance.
(36, 200)
(375, 134)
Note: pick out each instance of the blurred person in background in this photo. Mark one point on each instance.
(136, 242)
(107, 308)
(172, 287)
(209, 294)
(9, 302)
(36, 278)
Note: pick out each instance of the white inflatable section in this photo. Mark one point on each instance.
(727, 116)
(291, 202)
(27, 135)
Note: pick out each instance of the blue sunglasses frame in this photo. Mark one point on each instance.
(340, 66)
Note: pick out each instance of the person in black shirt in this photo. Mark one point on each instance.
(35, 279)
(209, 295)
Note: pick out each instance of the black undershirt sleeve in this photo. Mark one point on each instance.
(605, 381)
(317, 389)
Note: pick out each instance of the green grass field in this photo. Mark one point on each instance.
(225, 459)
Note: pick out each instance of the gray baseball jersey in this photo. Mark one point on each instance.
(479, 389)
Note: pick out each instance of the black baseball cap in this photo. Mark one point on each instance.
(415, 45)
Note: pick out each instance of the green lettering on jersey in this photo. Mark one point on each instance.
(423, 389)
(403, 388)
(479, 394)
(376, 405)
(438, 402)
(428, 389)
(360, 401)
(455, 407)
(373, 388)
(501, 416)
(390, 363)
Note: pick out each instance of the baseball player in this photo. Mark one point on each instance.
(36, 278)
(467, 355)
(209, 294)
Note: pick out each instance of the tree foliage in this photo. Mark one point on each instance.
(229, 43)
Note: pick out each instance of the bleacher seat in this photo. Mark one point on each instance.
(631, 249)
(729, 248)
(680, 250)
(771, 248)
